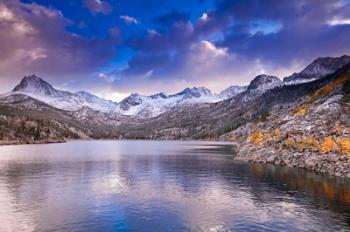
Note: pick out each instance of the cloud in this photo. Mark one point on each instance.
(226, 42)
(205, 54)
(338, 21)
(34, 39)
(204, 17)
(128, 19)
(98, 6)
(236, 40)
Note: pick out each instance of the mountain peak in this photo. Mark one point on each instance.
(195, 92)
(32, 78)
(34, 85)
(262, 80)
(161, 95)
(320, 67)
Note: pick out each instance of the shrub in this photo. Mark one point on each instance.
(343, 145)
(327, 88)
(301, 111)
(327, 145)
(309, 143)
(290, 142)
(258, 137)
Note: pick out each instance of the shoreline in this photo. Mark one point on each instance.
(330, 164)
(29, 142)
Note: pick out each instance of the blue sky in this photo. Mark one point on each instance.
(116, 47)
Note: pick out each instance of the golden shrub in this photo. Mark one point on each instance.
(327, 88)
(258, 137)
(308, 143)
(327, 145)
(301, 111)
(290, 142)
(343, 145)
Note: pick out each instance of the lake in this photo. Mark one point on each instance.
(161, 186)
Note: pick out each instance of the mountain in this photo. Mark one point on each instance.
(194, 92)
(135, 105)
(258, 86)
(39, 89)
(319, 68)
(232, 91)
(154, 105)
(263, 82)
(36, 86)
(264, 98)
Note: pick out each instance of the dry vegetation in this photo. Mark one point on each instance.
(298, 142)
(303, 110)
(300, 111)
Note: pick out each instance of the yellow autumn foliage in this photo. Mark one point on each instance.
(290, 142)
(258, 137)
(343, 145)
(327, 145)
(308, 142)
(301, 111)
(327, 88)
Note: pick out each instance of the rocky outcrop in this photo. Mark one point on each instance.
(332, 163)
(312, 133)
(263, 82)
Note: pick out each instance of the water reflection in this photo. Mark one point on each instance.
(160, 186)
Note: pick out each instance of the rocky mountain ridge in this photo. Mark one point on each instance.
(134, 105)
(319, 68)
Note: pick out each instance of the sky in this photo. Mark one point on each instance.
(116, 47)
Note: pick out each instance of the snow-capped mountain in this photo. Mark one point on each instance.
(259, 85)
(150, 106)
(231, 91)
(142, 106)
(195, 92)
(318, 68)
(37, 88)
(133, 105)
(263, 82)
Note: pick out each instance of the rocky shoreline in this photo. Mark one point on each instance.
(331, 164)
(17, 142)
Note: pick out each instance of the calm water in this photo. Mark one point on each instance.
(161, 186)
